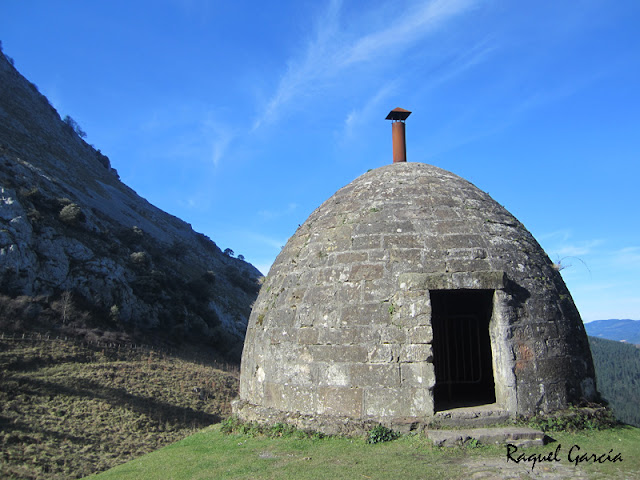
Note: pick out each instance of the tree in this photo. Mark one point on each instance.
(74, 126)
(228, 251)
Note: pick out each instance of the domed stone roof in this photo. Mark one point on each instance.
(411, 296)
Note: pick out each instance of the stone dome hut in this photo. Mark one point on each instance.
(410, 298)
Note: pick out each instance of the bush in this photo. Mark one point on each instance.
(72, 214)
(74, 126)
(574, 419)
(281, 430)
(380, 433)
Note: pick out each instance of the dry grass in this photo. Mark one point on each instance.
(68, 410)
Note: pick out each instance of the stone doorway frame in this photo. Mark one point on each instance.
(462, 357)
(500, 324)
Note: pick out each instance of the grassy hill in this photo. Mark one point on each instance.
(68, 409)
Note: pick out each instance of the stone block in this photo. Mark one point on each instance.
(317, 295)
(408, 257)
(393, 334)
(413, 281)
(381, 353)
(338, 353)
(420, 334)
(308, 336)
(556, 347)
(419, 374)
(370, 375)
(445, 213)
(274, 396)
(349, 258)
(347, 335)
(340, 401)
(294, 296)
(456, 265)
(467, 253)
(378, 256)
(331, 275)
(489, 280)
(376, 290)
(298, 398)
(450, 241)
(339, 238)
(398, 402)
(293, 374)
(553, 369)
(366, 272)
(333, 374)
(402, 241)
(375, 313)
(348, 293)
(443, 227)
(304, 316)
(366, 242)
(416, 352)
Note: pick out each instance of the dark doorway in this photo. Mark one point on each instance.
(462, 348)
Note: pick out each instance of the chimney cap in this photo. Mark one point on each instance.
(398, 114)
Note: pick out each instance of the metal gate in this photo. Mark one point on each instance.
(458, 351)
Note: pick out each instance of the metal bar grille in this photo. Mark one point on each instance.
(460, 359)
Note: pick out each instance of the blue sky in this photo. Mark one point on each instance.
(243, 117)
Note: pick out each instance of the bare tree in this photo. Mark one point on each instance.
(66, 300)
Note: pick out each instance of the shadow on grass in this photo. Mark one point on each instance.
(151, 408)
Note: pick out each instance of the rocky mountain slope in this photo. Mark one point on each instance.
(80, 252)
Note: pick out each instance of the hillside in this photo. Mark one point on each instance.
(618, 375)
(69, 409)
(620, 330)
(82, 254)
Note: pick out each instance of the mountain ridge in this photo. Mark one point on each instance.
(71, 232)
(621, 330)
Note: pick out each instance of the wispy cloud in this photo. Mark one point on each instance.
(576, 249)
(220, 137)
(372, 106)
(628, 257)
(331, 52)
(275, 243)
(411, 26)
(273, 214)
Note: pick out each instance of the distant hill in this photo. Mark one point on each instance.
(82, 254)
(620, 330)
(617, 367)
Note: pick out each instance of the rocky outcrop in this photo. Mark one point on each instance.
(79, 249)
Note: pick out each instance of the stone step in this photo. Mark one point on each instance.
(519, 436)
(479, 416)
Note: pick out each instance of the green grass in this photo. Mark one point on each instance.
(212, 454)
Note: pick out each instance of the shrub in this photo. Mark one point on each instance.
(574, 419)
(74, 126)
(230, 425)
(380, 433)
(72, 214)
(281, 430)
(139, 259)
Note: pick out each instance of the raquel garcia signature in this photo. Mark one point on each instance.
(575, 456)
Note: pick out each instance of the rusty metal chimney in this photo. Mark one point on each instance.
(397, 117)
